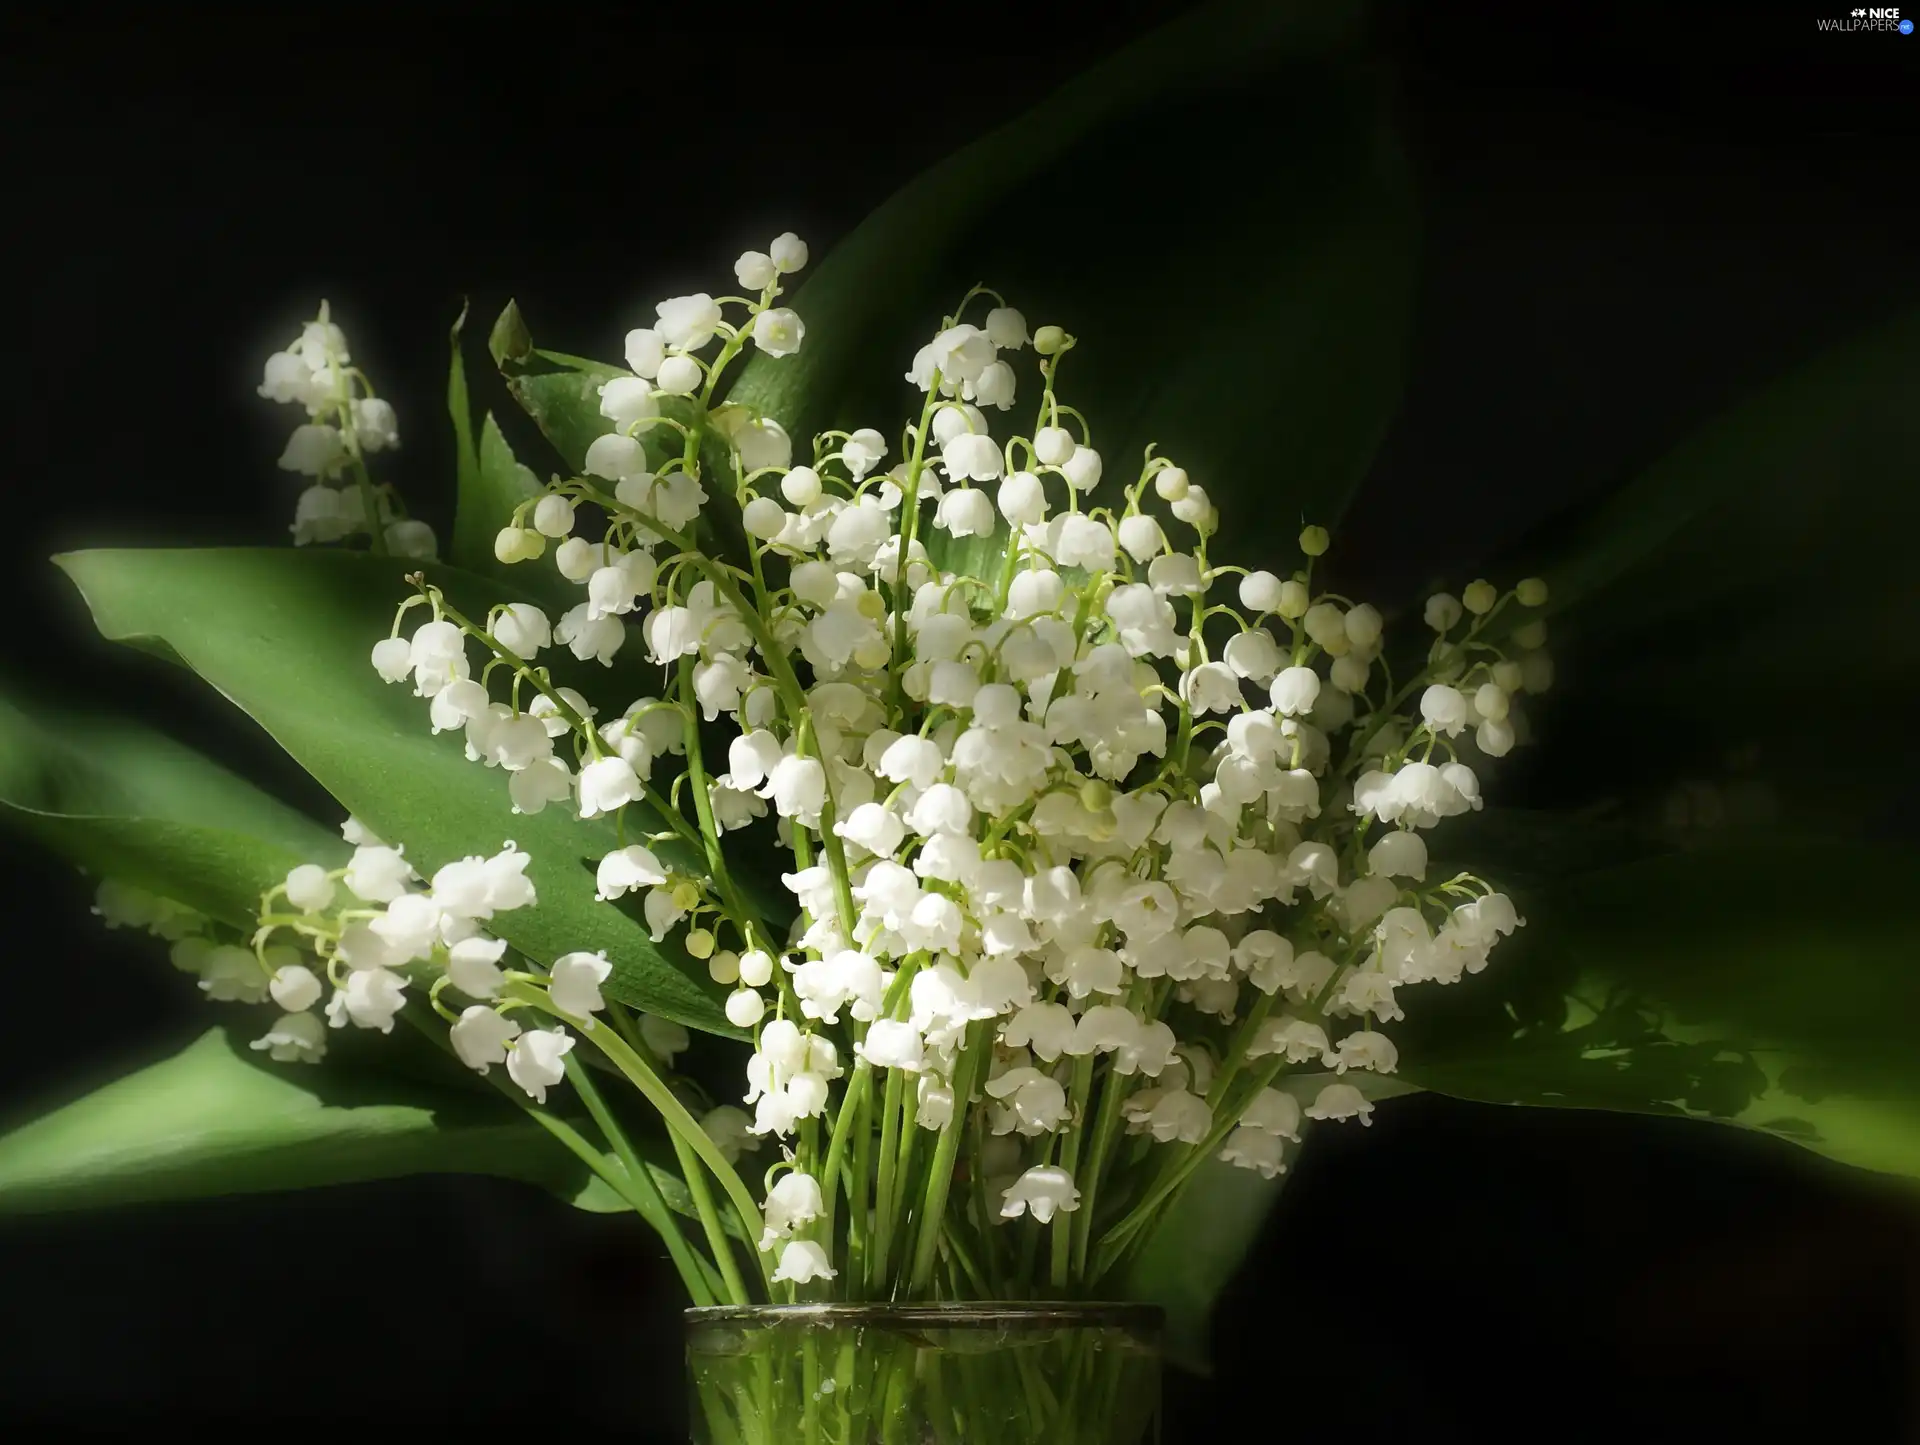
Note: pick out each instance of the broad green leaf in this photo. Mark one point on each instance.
(1767, 983)
(1767, 550)
(561, 393)
(286, 636)
(1206, 1233)
(1254, 332)
(1811, 474)
(217, 1118)
(125, 802)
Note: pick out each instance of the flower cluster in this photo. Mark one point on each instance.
(1108, 858)
(345, 424)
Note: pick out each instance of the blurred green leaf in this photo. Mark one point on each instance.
(1254, 331)
(125, 802)
(286, 636)
(1201, 1240)
(1766, 981)
(466, 522)
(217, 1118)
(1764, 560)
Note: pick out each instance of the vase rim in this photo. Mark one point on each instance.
(954, 1314)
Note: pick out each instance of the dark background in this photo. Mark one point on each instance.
(1631, 217)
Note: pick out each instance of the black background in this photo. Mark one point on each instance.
(1630, 216)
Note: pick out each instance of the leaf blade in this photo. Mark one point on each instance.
(295, 659)
(125, 802)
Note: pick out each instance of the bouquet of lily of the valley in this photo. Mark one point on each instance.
(907, 808)
(1099, 862)
(1083, 860)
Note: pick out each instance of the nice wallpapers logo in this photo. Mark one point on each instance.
(1870, 17)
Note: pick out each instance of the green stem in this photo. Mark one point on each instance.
(940, 1176)
(681, 1123)
(885, 1205)
(1133, 1228)
(657, 1213)
(1062, 1225)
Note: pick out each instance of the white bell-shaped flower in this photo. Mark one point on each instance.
(801, 1262)
(1043, 1191)
(534, 1062)
(574, 982)
(1339, 1102)
(480, 1037)
(794, 1202)
(606, 785)
(294, 1038)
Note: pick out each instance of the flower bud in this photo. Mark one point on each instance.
(679, 376)
(1260, 592)
(1536, 672)
(1443, 610)
(1294, 600)
(1082, 469)
(801, 486)
(517, 544)
(724, 967)
(755, 968)
(1530, 635)
(1049, 340)
(1314, 540)
(1363, 626)
(1349, 673)
(1052, 445)
(699, 943)
(1490, 701)
(744, 1008)
(553, 516)
(1479, 596)
(1532, 592)
(764, 518)
(685, 895)
(1140, 535)
(1171, 484)
(1507, 675)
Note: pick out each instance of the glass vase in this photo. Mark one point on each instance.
(932, 1374)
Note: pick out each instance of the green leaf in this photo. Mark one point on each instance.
(1763, 982)
(286, 636)
(491, 480)
(466, 458)
(1201, 1240)
(1776, 534)
(216, 1118)
(125, 802)
(1255, 332)
(509, 341)
(1757, 496)
(561, 393)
